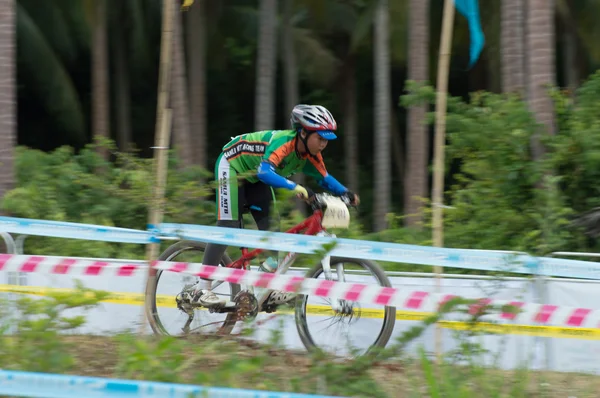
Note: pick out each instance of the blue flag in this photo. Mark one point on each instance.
(470, 10)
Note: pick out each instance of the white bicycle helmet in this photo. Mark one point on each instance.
(314, 118)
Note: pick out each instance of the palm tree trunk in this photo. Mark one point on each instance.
(382, 153)
(100, 88)
(196, 50)
(493, 19)
(122, 90)
(540, 73)
(264, 118)
(289, 58)
(570, 45)
(350, 136)
(290, 71)
(570, 59)
(398, 158)
(181, 116)
(513, 43)
(416, 178)
(8, 137)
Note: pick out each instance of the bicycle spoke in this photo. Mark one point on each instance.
(345, 329)
(166, 318)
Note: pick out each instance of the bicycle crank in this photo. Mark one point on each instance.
(246, 305)
(187, 304)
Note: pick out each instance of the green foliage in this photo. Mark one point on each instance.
(500, 197)
(494, 191)
(162, 358)
(576, 150)
(65, 186)
(35, 336)
(30, 333)
(448, 380)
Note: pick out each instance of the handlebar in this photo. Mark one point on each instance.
(319, 201)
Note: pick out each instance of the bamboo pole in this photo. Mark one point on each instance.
(440, 138)
(162, 136)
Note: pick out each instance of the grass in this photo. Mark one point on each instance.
(231, 363)
(37, 335)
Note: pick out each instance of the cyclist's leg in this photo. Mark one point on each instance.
(259, 197)
(228, 213)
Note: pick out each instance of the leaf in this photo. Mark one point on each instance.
(432, 384)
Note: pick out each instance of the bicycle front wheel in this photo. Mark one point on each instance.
(345, 328)
(163, 287)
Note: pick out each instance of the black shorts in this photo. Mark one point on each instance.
(235, 197)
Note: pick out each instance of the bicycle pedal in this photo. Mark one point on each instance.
(270, 308)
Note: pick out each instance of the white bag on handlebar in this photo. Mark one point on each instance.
(336, 214)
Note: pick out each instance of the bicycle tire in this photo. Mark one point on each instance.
(152, 284)
(389, 312)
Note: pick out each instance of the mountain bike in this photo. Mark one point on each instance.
(247, 303)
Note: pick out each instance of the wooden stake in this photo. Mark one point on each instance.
(440, 138)
(162, 136)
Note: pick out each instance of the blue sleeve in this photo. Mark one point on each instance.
(268, 175)
(332, 185)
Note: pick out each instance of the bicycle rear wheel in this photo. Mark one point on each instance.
(161, 308)
(372, 326)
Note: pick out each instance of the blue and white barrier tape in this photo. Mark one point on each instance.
(43, 385)
(71, 230)
(481, 260)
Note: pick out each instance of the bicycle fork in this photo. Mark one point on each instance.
(338, 305)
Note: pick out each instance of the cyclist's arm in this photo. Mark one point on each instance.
(276, 151)
(332, 185)
(316, 169)
(268, 175)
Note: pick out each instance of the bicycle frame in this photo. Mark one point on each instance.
(310, 226)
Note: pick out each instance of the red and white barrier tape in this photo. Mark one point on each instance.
(420, 301)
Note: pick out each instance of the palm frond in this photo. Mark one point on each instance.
(363, 27)
(43, 73)
(77, 24)
(49, 19)
(590, 222)
(316, 62)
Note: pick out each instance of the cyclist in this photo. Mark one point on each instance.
(269, 158)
